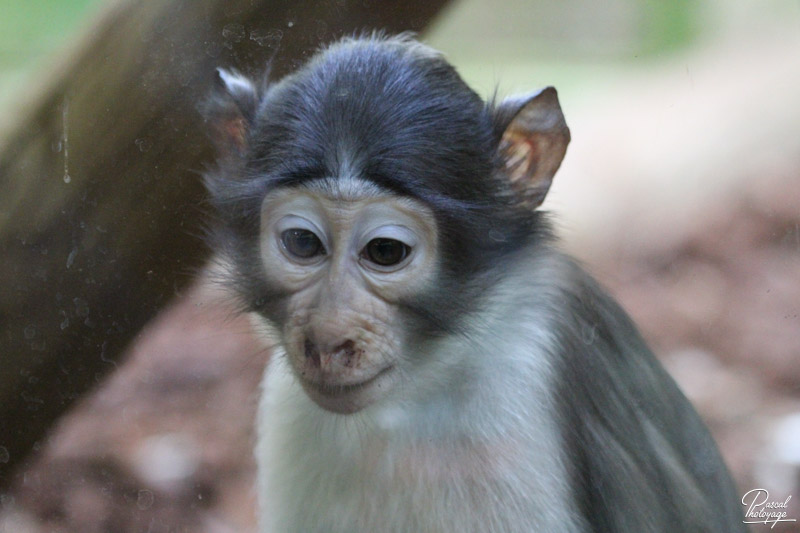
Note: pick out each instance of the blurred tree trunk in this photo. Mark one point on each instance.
(101, 203)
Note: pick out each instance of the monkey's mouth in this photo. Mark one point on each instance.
(349, 397)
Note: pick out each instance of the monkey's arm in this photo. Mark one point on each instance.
(643, 459)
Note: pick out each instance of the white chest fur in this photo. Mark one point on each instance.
(445, 464)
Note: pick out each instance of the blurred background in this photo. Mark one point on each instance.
(680, 192)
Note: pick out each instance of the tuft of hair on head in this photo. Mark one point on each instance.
(406, 40)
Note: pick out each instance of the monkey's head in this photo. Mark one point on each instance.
(366, 202)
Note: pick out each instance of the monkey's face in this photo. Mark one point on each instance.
(346, 254)
(367, 202)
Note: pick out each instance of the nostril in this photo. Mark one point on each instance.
(348, 347)
(312, 353)
(346, 352)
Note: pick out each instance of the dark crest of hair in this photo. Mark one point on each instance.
(385, 109)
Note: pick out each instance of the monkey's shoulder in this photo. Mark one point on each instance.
(632, 433)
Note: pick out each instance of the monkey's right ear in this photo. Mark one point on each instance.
(230, 111)
(534, 139)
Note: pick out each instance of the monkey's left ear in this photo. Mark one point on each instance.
(230, 111)
(533, 143)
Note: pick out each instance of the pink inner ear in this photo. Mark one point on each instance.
(531, 160)
(233, 129)
(230, 135)
(522, 153)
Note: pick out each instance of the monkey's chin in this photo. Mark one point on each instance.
(351, 398)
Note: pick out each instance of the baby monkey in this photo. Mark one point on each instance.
(440, 367)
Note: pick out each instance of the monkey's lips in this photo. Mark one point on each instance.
(348, 398)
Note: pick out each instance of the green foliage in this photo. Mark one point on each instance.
(576, 30)
(28, 29)
(667, 26)
(31, 30)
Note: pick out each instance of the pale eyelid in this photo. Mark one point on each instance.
(393, 232)
(288, 222)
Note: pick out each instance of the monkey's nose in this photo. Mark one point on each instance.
(312, 353)
(343, 355)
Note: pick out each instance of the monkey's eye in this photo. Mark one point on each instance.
(385, 252)
(301, 243)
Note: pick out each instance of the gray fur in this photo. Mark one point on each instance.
(574, 424)
(486, 384)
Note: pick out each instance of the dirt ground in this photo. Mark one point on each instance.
(164, 445)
